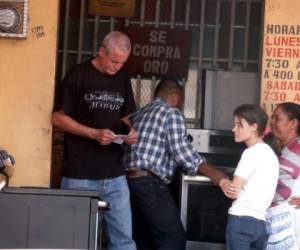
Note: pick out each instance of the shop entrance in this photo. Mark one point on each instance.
(225, 35)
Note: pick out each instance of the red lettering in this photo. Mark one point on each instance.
(282, 52)
(267, 41)
(276, 86)
(282, 41)
(297, 98)
(282, 85)
(268, 51)
(269, 84)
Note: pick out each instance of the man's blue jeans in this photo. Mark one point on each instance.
(118, 217)
(156, 221)
(245, 233)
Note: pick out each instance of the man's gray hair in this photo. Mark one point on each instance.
(116, 39)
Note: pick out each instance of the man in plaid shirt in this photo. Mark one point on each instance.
(151, 164)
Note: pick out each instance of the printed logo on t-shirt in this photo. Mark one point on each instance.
(104, 100)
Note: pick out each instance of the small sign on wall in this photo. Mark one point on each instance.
(13, 18)
(117, 8)
(158, 51)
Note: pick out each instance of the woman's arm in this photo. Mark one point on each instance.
(233, 189)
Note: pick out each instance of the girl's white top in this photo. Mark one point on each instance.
(259, 166)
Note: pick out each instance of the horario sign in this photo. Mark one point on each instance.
(280, 73)
(158, 51)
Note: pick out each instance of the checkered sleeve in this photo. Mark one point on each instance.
(179, 145)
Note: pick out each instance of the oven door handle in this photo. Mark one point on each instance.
(196, 178)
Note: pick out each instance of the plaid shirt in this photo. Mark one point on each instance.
(162, 145)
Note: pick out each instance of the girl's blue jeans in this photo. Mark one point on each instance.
(245, 233)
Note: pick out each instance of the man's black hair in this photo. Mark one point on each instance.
(168, 85)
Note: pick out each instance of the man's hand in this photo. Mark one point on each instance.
(104, 136)
(223, 183)
(212, 172)
(295, 201)
(132, 137)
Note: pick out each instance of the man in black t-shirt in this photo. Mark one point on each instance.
(94, 100)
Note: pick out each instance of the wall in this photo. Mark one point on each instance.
(27, 69)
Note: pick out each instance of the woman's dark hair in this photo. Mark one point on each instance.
(292, 110)
(253, 114)
(273, 142)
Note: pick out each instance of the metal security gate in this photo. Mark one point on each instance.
(226, 35)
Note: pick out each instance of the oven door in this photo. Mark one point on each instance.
(203, 213)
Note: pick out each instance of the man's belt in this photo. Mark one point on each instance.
(134, 173)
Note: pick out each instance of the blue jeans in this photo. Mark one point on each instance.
(118, 217)
(245, 233)
(156, 221)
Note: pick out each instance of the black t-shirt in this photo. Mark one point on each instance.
(99, 101)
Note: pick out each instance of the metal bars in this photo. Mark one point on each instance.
(96, 35)
(246, 41)
(81, 31)
(65, 38)
(198, 103)
(231, 35)
(216, 32)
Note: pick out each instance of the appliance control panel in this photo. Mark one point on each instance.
(214, 141)
(199, 139)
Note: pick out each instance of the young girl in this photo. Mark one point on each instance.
(254, 182)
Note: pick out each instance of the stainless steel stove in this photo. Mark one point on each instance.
(203, 205)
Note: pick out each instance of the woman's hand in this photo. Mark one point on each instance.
(232, 191)
(228, 188)
(295, 201)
